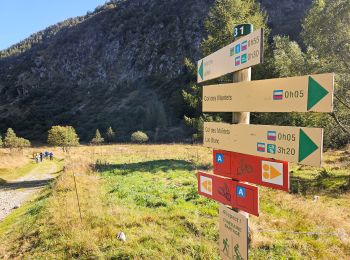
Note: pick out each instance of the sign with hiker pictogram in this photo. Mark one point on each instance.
(296, 94)
(254, 169)
(229, 192)
(233, 234)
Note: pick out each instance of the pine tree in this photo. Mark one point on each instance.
(223, 16)
(98, 139)
(110, 135)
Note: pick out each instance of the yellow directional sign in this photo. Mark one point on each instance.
(241, 54)
(293, 144)
(298, 94)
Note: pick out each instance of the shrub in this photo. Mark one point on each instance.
(12, 141)
(63, 136)
(0, 141)
(98, 139)
(139, 137)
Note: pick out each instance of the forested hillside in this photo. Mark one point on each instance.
(121, 66)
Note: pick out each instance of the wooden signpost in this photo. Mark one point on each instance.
(257, 154)
(230, 192)
(233, 240)
(293, 144)
(247, 168)
(298, 94)
(243, 53)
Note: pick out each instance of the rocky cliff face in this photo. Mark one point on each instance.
(285, 15)
(122, 65)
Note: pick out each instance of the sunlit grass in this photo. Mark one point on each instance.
(149, 192)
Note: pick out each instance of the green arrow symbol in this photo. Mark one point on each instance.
(315, 93)
(201, 69)
(306, 146)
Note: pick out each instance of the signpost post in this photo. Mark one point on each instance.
(257, 154)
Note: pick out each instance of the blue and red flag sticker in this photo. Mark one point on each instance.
(278, 94)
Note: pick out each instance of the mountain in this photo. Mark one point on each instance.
(121, 66)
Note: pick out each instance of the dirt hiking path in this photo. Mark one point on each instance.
(16, 192)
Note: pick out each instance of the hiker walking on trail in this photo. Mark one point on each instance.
(37, 158)
(41, 156)
(51, 156)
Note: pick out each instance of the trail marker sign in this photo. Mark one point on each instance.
(292, 144)
(242, 29)
(296, 94)
(233, 234)
(241, 54)
(229, 192)
(254, 169)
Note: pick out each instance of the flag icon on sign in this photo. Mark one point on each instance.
(238, 61)
(271, 135)
(272, 172)
(261, 147)
(237, 48)
(244, 45)
(244, 58)
(206, 185)
(278, 94)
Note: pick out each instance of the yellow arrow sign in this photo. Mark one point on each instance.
(294, 144)
(241, 54)
(298, 94)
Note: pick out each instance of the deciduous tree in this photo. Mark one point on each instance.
(63, 136)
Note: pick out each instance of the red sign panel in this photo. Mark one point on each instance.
(230, 192)
(258, 170)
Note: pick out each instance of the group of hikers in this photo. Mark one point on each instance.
(39, 157)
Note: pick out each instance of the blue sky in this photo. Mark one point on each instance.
(21, 18)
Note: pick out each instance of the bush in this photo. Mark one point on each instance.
(0, 141)
(12, 141)
(139, 137)
(98, 139)
(63, 136)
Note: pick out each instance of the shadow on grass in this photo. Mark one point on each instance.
(331, 185)
(148, 166)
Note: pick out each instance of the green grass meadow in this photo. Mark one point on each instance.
(149, 192)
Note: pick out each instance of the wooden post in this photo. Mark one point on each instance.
(242, 117)
(239, 76)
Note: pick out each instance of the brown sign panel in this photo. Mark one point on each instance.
(233, 234)
(298, 94)
(292, 144)
(241, 54)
